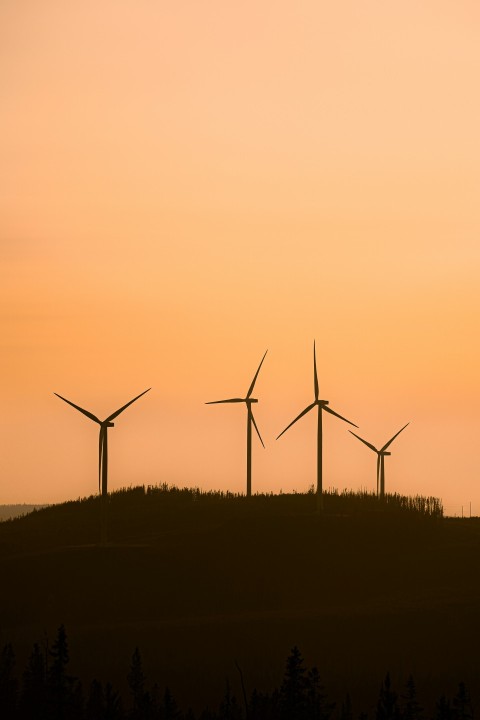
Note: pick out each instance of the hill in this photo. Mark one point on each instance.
(7, 512)
(199, 581)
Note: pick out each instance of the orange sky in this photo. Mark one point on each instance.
(184, 185)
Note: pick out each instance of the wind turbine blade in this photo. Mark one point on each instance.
(393, 438)
(117, 412)
(315, 376)
(304, 412)
(250, 390)
(77, 407)
(230, 400)
(256, 428)
(372, 447)
(332, 412)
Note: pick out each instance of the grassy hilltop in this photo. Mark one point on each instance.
(198, 581)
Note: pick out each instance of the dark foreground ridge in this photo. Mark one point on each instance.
(46, 690)
(199, 580)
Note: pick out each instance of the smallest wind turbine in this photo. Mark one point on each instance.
(248, 400)
(381, 454)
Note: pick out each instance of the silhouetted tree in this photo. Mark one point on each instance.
(169, 708)
(443, 709)
(346, 712)
(58, 681)
(34, 692)
(95, 706)
(293, 691)
(387, 708)
(136, 682)
(229, 707)
(155, 702)
(262, 706)
(411, 709)
(462, 706)
(207, 715)
(8, 683)
(75, 711)
(317, 707)
(113, 704)
(64, 694)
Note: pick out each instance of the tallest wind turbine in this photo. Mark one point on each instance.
(248, 400)
(322, 405)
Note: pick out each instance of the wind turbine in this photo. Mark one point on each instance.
(322, 405)
(103, 448)
(380, 460)
(248, 400)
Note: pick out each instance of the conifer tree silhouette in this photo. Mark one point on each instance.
(169, 709)
(63, 695)
(387, 707)
(462, 705)
(346, 712)
(293, 691)
(113, 704)
(443, 709)
(8, 683)
(229, 707)
(136, 683)
(34, 697)
(411, 709)
(263, 706)
(95, 706)
(317, 706)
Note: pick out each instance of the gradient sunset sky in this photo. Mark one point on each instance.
(186, 184)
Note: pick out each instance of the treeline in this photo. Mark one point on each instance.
(346, 502)
(143, 514)
(7, 512)
(46, 691)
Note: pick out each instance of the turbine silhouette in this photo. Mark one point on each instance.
(103, 448)
(322, 405)
(248, 400)
(380, 460)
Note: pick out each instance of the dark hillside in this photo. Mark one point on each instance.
(199, 581)
(12, 511)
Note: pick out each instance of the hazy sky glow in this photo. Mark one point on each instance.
(184, 185)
